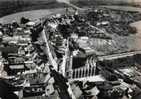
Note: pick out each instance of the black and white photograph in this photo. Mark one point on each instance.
(70, 49)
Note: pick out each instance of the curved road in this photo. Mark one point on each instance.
(33, 15)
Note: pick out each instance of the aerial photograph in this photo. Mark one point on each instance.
(70, 49)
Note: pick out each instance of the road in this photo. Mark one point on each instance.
(48, 51)
(33, 15)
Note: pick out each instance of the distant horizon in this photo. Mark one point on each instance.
(12, 6)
